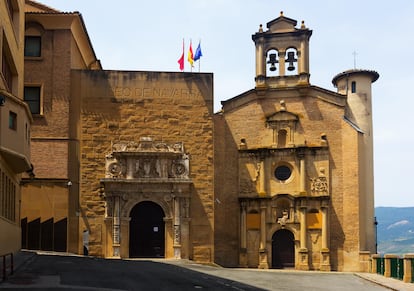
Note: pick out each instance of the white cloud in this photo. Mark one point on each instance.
(399, 223)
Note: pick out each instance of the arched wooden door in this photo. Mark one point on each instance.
(283, 249)
(146, 231)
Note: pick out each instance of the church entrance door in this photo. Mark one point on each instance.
(146, 231)
(283, 249)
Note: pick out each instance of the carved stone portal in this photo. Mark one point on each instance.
(148, 171)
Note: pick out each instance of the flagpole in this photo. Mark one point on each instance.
(183, 57)
(191, 46)
(199, 59)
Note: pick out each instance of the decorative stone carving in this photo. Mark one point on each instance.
(319, 185)
(147, 159)
(177, 237)
(284, 219)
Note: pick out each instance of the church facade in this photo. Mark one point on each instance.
(280, 178)
(299, 187)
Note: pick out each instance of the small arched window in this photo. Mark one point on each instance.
(291, 61)
(272, 63)
(33, 40)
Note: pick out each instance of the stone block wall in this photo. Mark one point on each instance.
(124, 106)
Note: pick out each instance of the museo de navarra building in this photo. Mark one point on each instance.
(136, 164)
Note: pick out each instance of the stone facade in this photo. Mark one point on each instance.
(280, 178)
(295, 182)
(146, 136)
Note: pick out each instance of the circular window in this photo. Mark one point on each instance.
(283, 173)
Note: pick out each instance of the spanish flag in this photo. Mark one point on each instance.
(190, 55)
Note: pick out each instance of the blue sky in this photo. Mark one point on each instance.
(147, 35)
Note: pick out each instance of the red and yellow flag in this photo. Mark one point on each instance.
(190, 55)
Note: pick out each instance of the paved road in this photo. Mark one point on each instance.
(51, 272)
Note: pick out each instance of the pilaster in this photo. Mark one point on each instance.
(263, 264)
(243, 236)
(325, 264)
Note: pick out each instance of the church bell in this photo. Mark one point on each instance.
(291, 59)
(272, 61)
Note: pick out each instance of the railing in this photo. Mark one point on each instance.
(393, 266)
(6, 266)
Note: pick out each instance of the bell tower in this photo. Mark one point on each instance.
(282, 54)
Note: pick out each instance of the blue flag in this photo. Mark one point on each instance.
(198, 53)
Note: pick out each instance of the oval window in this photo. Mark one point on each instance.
(283, 173)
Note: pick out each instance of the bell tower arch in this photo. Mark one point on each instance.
(282, 54)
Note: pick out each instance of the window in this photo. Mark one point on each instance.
(283, 173)
(32, 46)
(32, 98)
(7, 197)
(7, 73)
(12, 120)
(353, 87)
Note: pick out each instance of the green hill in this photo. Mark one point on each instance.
(395, 230)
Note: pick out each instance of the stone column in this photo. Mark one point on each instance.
(177, 229)
(408, 275)
(324, 211)
(116, 224)
(262, 178)
(303, 228)
(263, 264)
(374, 260)
(124, 243)
(303, 251)
(325, 256)
(387, 264)
(130, 168)
(260, 59)
(243, 235)
(282, 70)
(302, 185)
(301, 58)
(185, 228)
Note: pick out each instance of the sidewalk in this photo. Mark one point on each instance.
(390, 283)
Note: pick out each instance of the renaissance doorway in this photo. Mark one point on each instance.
(283, 249)
(146, 231)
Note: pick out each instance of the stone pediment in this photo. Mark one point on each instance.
(281, 24)
(281, 117)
